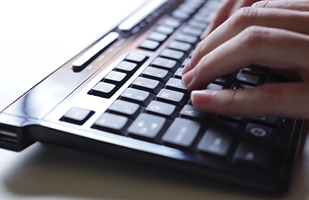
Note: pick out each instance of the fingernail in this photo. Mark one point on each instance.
(205, 33)
(199, 97)
(186, 68)
(187, 78)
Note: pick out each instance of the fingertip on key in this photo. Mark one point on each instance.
(186, 68)
(187, 78)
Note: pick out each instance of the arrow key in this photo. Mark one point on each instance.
(148, 127)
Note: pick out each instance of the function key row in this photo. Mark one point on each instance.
(184, 41)
(197, 11)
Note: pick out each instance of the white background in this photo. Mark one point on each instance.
(37, 37)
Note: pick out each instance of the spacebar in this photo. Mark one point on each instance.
(94, 51)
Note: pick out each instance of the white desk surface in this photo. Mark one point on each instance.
(49, 172)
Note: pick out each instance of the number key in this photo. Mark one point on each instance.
(137, 96)
(177, 85)
(147, 84)
(157, 74)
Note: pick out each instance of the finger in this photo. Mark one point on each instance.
(242, 3)
(226, 9)
(274, 48)
(277, 18)
(219, 16)
(291, 5)
(283, 100)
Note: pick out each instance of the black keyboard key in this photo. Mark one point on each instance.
(178, 73)
(165, 29)
(171, 22)
(157, 74)
(112, 123)
(191, 112)
(252, 155)
(149, 45)
(269, 121)
(188, 7)
(136, 58)
(248, 78)
(204, 13)
(173, 54)
(255, 70)
(148, 127)
(180, 14)
(126, 67)
(159, 37)
(224, 80)
(137, 96)
(177, 85)
(185, 62)
(197, 24)
(114, 77)
(187, 38)
(182, 133)
(218, 139)
(200, 18)
(131, 110)
(173, 97)
(211, 4)
(163, 109)
(147, 84)
(165, 63)
(208, 8)
(237, 119)
(213, 86)
(260, 133)
(189, 30)
(77, 115)
(102, 89)
(192, 6)
(180, 46)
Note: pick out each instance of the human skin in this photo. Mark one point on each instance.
(268, 33)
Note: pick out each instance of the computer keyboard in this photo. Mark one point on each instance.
(138, 108)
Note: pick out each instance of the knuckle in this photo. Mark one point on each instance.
(261, 4)
(245, 16)
(254, 36)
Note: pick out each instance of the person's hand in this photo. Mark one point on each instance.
(270, 33)
(225, 10)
